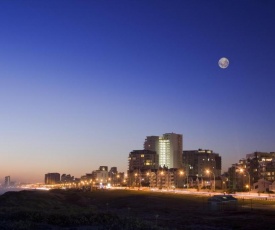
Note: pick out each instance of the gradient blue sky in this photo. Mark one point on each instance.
(82, 83)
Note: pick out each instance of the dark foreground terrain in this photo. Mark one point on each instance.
(123, 209)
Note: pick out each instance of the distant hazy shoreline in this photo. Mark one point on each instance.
(4, 190)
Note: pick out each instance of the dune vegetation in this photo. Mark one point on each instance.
(123, 209)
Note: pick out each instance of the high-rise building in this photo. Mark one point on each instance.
(113, 170)
(142, 160)
(67, 178)
(52, 178)
(151, 143)
(7, 181)
(103, 168)
(237, 180)
(260, 165)
(196, 162)
(257, 166)
(168, 147)
(113, 174)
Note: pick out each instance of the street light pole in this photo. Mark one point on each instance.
(181, 179)
(135, 179)
(243, 170)
(187, 176)
(148, 179)
(208, 171)
(214, 181)
(161, 173)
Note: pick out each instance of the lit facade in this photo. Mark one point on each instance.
(100, 176)
(257, 166)
(156, 178)
(168, 147)
(237, 181)
(261, 165)
(143, 159)
(52, 178)
(196, 162)
(166, 178)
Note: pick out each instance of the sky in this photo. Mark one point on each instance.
(82, 83)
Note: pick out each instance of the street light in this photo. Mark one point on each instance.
(242, 170)
(126, 179)
(148, 178)
(161, 173)
(135, 179)
(208, 171)
(118, 180)
(181, 174)
(91, 184)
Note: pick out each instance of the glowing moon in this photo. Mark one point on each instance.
(223, 63)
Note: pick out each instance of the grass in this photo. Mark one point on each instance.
(125, 209)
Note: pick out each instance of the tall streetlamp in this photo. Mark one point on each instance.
(181, 174)
(135, 179)
(242, 170)
(208, 171)
(118, 180)
(161, 174)
(148, 178)
(126, 181)
(187, 170)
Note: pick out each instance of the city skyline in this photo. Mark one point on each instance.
(82, 83)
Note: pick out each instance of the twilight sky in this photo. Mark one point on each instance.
(82, 83)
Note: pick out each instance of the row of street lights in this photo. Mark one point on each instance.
(241, 170)
(117, 179)
(138, 178)
(207, 171)
(181, 173)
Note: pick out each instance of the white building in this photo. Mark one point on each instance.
(100, 177)
(262, 186)
(272, 187)
(168, 147)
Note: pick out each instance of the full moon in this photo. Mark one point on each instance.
(223, 63)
